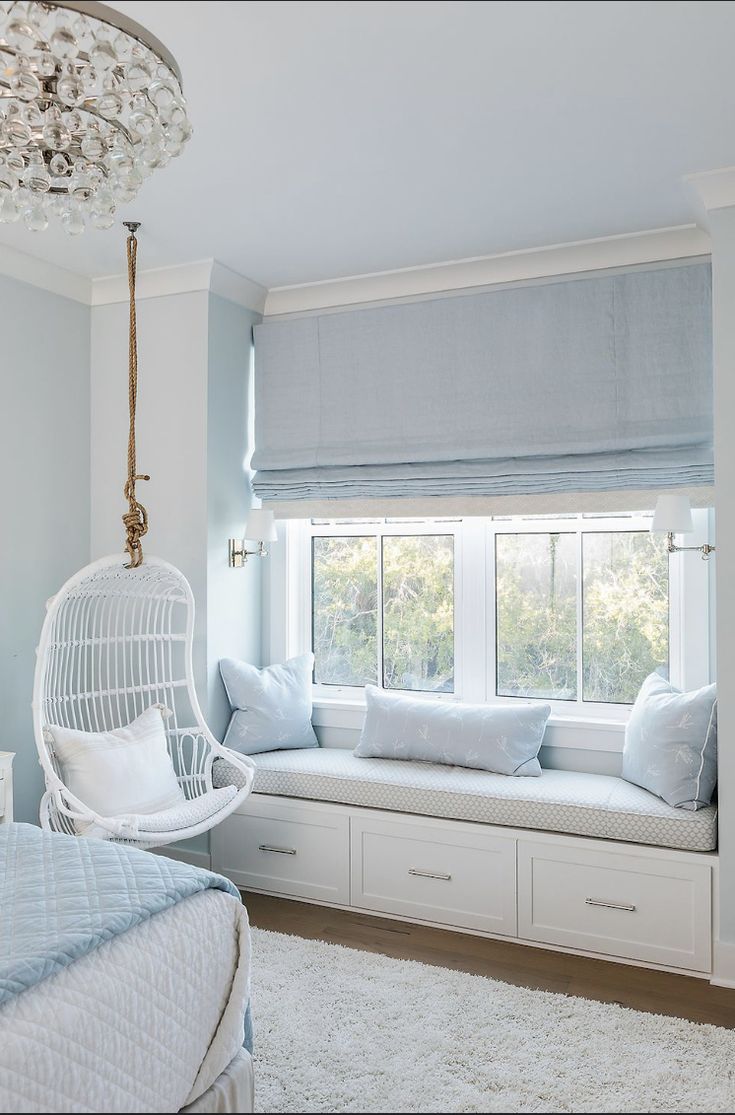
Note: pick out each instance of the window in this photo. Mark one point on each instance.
(575, 611)
(583, 614)
(535, 616)
(383, 607)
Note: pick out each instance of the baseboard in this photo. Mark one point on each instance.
(723, 964)
(503, 938)
(196, 859)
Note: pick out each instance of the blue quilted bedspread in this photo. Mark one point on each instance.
(61, 897)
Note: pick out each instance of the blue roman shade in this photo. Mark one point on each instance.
(594, 386)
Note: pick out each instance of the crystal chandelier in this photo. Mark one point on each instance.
(90, 105)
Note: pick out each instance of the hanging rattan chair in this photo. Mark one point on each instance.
(115, 641)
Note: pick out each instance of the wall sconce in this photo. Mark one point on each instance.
(673, 515)
(260, 526)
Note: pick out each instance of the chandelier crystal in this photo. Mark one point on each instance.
(90, 106)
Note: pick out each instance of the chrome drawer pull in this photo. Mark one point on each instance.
(275, 848)
(429, 874)
(612, 905)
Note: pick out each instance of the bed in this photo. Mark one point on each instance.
(124, 980)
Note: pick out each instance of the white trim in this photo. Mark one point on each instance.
(574, 733)
(680, 242)
(521, 941)
(723, 964)
(657, 245)
(157, 282)
(26, 268)
(573, 725)
(196, 859)
(237, 288)
(712, 189)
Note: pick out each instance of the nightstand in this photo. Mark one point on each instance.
(6, 786)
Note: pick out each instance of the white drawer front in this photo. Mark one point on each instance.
(285, 849)
(2, 796)
(455, 875)
(647, 909)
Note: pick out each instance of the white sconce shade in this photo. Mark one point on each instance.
(673, 515)
(260, 526)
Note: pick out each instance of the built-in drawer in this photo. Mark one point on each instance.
(302, 851)
(657, 910)
(445, 872)
(2, 796)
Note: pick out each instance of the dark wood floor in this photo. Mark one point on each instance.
(641, 988)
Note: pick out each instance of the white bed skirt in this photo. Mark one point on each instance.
(232, 1091)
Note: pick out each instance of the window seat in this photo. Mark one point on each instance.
(593, 805)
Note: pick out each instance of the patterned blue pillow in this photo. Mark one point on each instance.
(271, 707)
(671, 743)
(500, 738)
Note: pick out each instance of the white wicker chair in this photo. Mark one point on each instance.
(114, 642)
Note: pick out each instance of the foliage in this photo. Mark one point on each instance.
(624, 613)
(536, 615)
(418, 613)
(345, 593)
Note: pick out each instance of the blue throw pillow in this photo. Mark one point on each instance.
(271, 708)
(671, 743)
(504, 739)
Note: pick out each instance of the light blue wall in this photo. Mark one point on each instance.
(45, 469)
(233, 595)
(230, 607)
(51, 495)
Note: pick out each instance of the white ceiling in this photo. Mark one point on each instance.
(342, 138)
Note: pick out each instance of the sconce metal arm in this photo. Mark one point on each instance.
(237, 555)
(672, 548)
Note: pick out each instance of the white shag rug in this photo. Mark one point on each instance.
(337, 1029)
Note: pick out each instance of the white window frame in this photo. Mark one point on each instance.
(301, 636)
(288, 615)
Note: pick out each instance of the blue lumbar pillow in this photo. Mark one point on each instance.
(671, 743)
(271, 708)
(500, 738)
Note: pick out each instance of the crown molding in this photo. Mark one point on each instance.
(658, 245)
(710, 190)
(237, 288)
(203, 275)
(36, 272)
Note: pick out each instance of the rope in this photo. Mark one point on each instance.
(135, 518)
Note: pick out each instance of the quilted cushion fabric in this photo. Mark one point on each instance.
(191, 813)
(671, 743)
(559, 801)
(271, 708)
(500, 738)
(61, 897)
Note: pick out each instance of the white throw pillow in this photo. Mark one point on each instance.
(127, 770)
(504, 739)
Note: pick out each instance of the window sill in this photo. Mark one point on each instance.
(575, 732)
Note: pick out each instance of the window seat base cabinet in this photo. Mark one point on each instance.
(652, 906)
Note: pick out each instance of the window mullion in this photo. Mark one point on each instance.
(379, 616)
(470, 631)
(580, 617)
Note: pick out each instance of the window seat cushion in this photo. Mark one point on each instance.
(595, 805)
